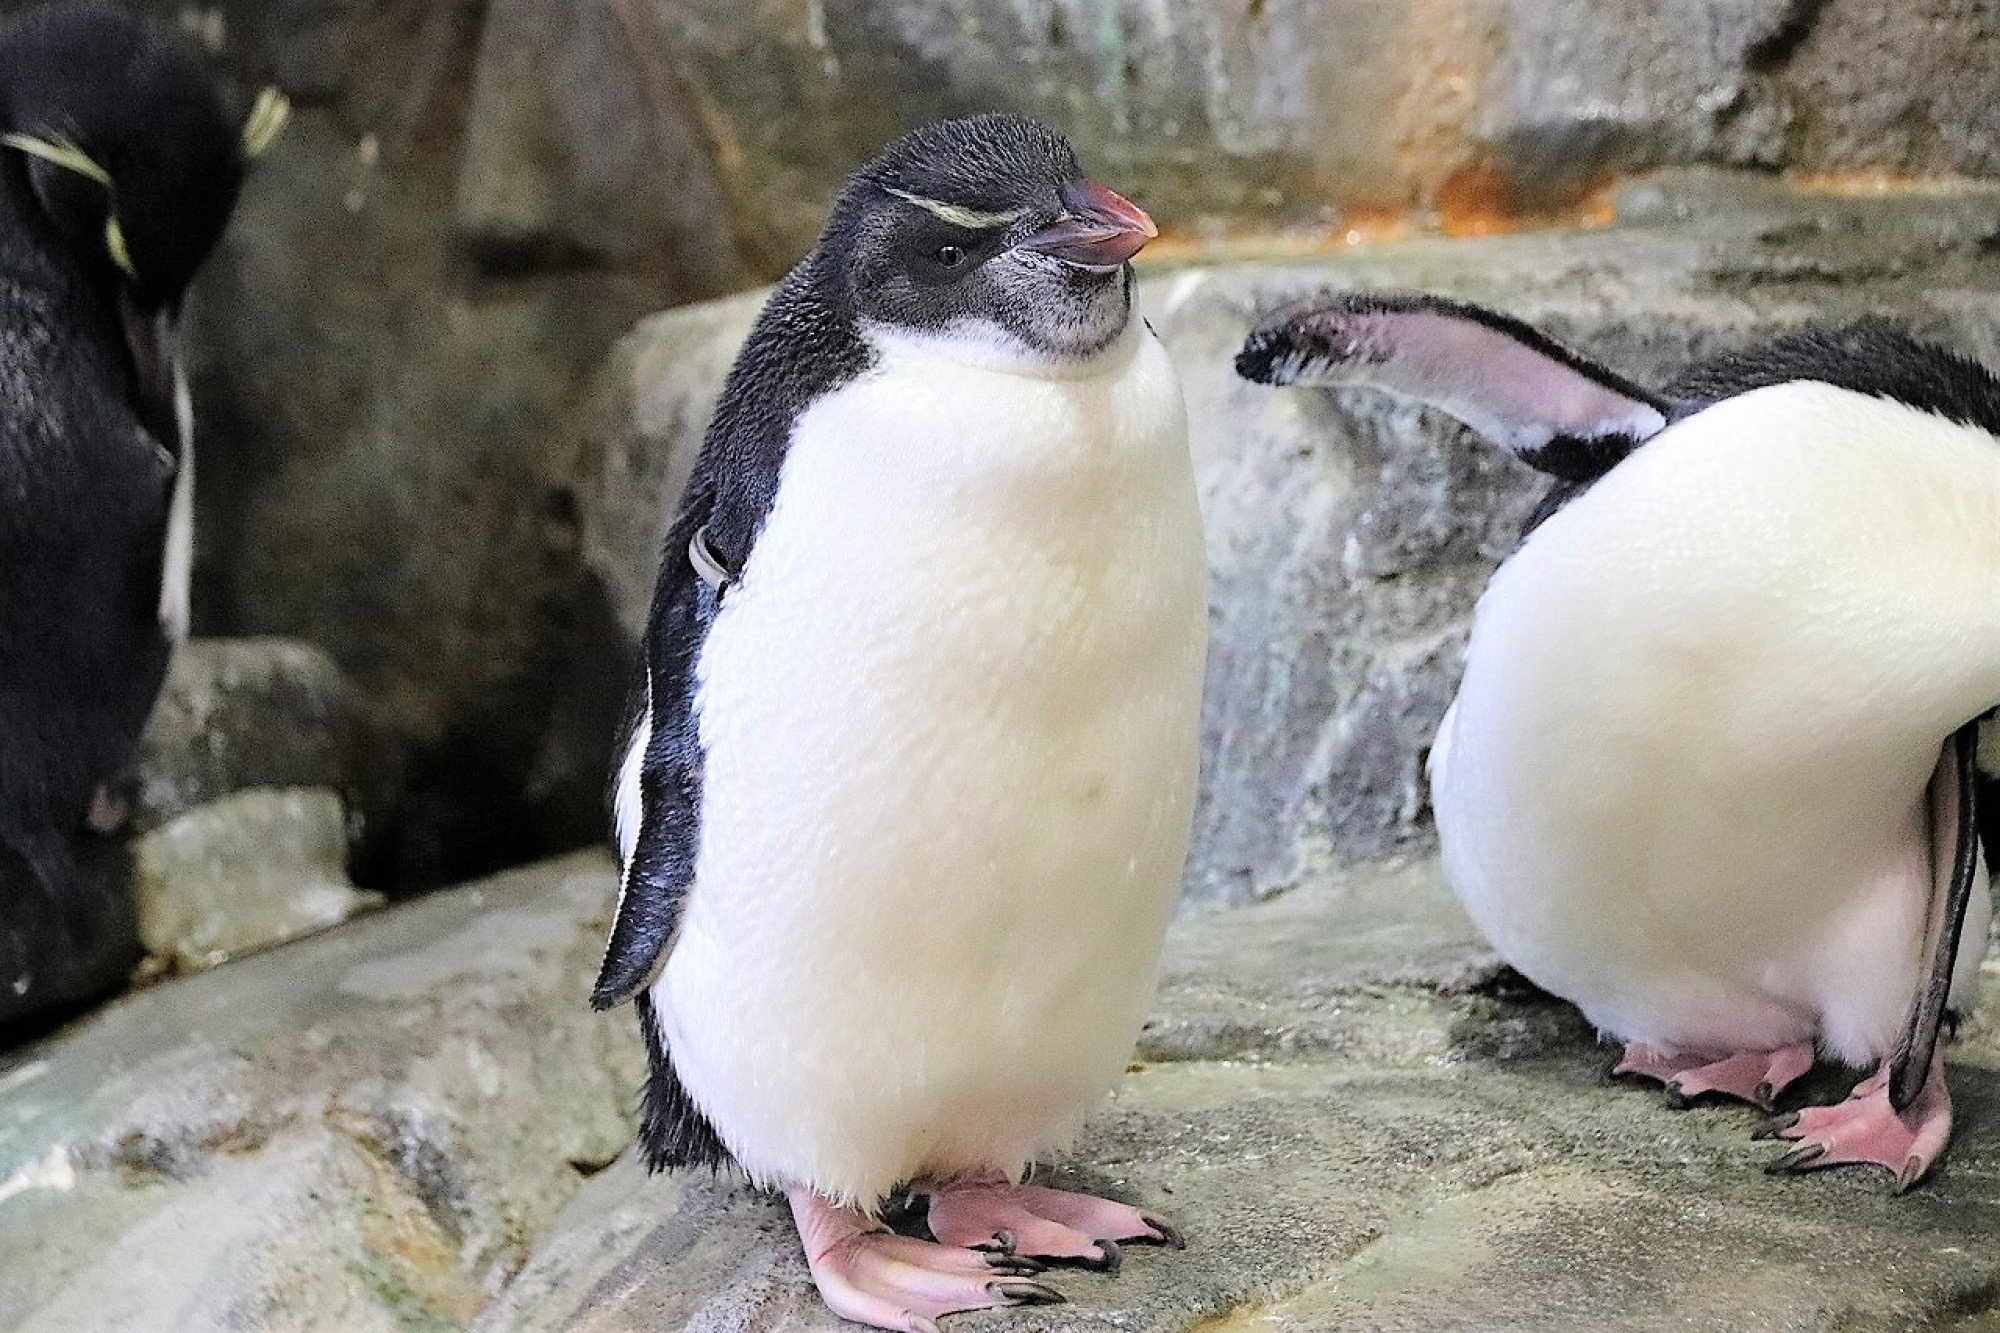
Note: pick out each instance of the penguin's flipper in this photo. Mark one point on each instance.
(655, 807)
(656, 788)
(1954, 805)
(1560, 412)
(655, 804)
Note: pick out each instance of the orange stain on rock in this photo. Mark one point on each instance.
(1481, 201)
(1474, 202)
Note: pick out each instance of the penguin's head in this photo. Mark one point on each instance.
(984, 235)
(116, 140)
(122, 141)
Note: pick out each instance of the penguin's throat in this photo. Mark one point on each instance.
(983, 345)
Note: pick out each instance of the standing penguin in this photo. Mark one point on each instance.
(118, 171)
(910, 764)
(1710, 773)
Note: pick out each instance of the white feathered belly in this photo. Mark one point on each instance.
(951, 716)
(1682, 783)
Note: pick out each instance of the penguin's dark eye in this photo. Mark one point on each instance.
(948, 256)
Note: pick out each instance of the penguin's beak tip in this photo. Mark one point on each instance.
(1099, 230)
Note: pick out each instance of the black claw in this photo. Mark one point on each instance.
(1675, 1099)
(1027, 1293)
(1798, 1159)
(1170, 1234)
(1776, 1125)
(1912, 1172)
(1015, 1265)
(1110, 1258)
(1763, 1093)
(1002, 1243)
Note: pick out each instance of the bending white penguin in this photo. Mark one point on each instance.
(1710, 773)
(909, 768)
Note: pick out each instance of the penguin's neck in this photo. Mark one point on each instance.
(987, 347)
(926, 429)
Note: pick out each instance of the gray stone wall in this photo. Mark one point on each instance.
(477, 199)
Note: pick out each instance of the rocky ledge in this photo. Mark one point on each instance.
(415, 1122)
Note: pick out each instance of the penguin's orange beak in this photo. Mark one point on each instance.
(1099, 229)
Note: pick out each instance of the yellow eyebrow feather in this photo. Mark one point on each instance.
(61, 152)
(114, 245)
(267, 120)
(970, 219)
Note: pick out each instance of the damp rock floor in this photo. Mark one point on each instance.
(414, 1122)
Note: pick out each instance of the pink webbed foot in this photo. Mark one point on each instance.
(873, 1276)
(1756, 1077)
(1042, 1223)
(1866, 1128)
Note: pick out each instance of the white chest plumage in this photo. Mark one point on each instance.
(1682, 782)
(951, 720)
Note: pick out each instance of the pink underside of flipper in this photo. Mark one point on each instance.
(876, 1277)
(1040, 1222)
(1756, 1077)
(1866, 1128)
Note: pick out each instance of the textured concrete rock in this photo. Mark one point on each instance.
(242, 873)
(1354, 1139)
(238, 713)
(364, 1130)
(1313, 114)
(1348, 537)
(414, 1121)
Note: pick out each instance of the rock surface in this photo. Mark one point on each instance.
(1348, 536)
(237, 713)
(1352, 1138)
(242, 873)
(364, 1130)
(411, 1122)
(254, 754)
(1315, 114)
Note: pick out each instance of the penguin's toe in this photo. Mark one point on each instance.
(878, 1278)
(1756, 1077)
(1050, 1224)
(1868, 1129)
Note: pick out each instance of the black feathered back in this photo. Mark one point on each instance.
(84, 485)
(1871, 357)
(803, 345)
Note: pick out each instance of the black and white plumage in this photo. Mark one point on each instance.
(118, 170)
(909, 769)
(1710, 772)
